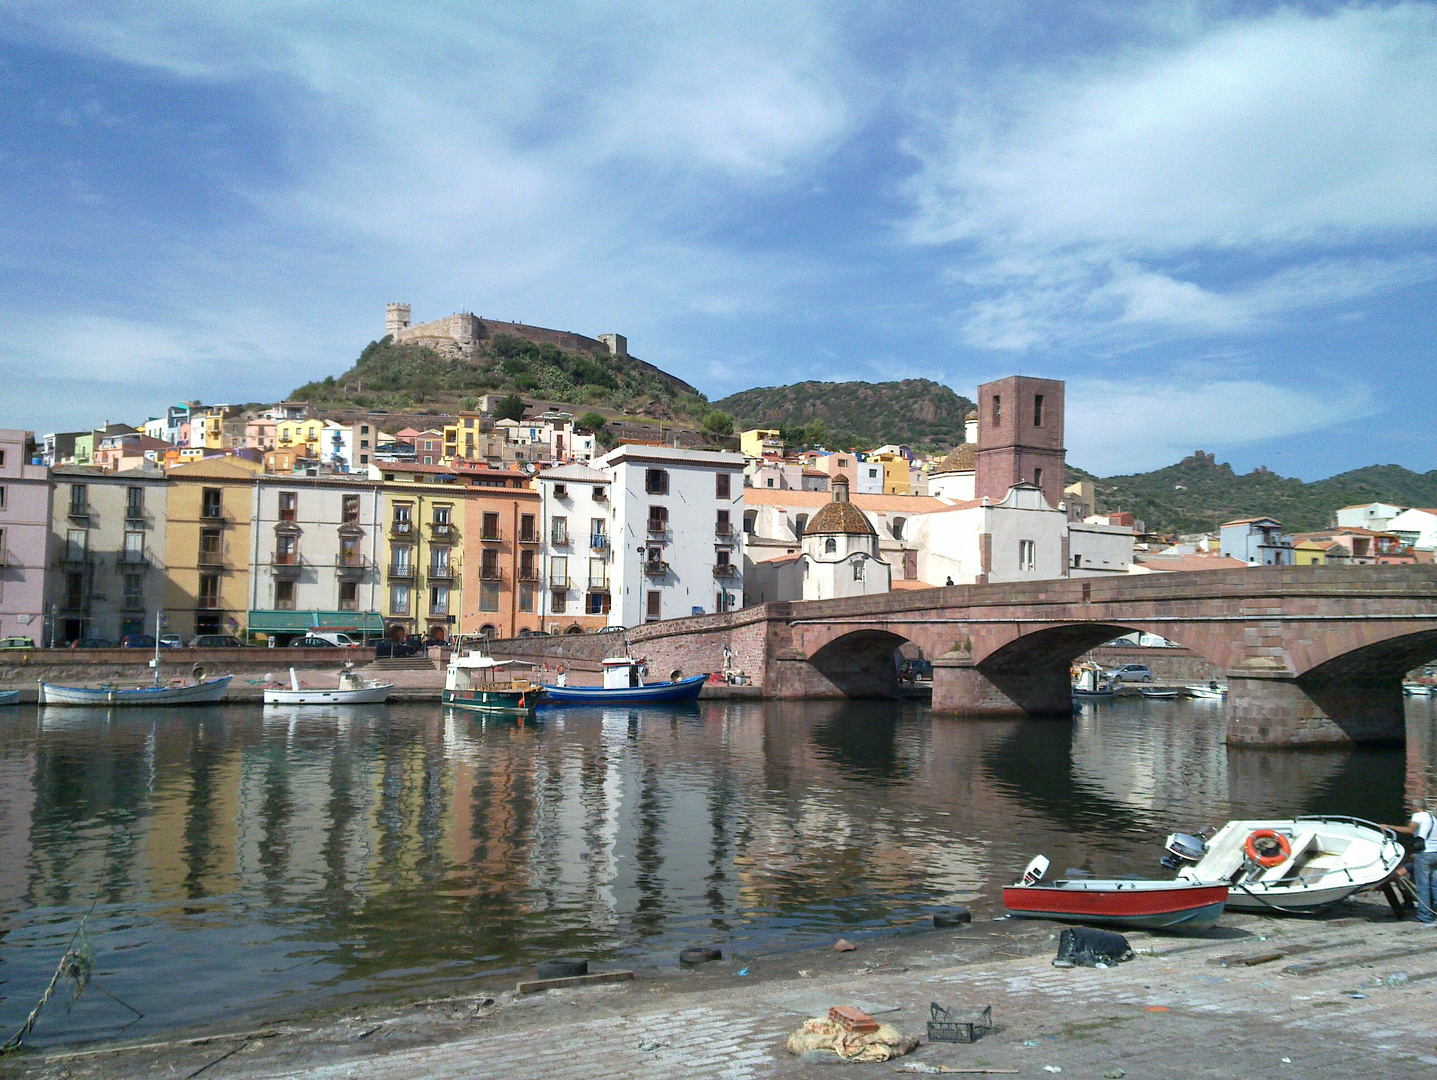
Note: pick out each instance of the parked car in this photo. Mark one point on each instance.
(217, 641)
(332, 637)
(611, 629)
(400, 647)
(171, 641)
(1131, 673)
(526, 632)
(16, 643)
(91, 643)
(312, 641)
(137, 641)
(915, 669)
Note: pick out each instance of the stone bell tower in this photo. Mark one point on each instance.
(1020, 438)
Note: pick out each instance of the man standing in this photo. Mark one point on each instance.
(1423, 829)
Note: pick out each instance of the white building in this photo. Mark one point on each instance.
(870, 478)
(677, 548)
(1021, 538)
(1375, 516)
(841, 553)
(575, 549)
(1416, 527)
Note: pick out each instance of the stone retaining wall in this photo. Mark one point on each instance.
(25, 667)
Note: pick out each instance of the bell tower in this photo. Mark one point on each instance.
(1020, 438)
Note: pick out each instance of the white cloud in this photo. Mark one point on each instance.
(1123, 426)
(1109, 199)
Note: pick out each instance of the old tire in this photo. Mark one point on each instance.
(562, 969)
(700, 954)
(953, 916)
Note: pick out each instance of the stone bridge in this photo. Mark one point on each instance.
(1312, 655)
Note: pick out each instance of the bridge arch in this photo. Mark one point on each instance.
(860, 663)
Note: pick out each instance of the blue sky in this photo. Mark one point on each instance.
(1215, 221)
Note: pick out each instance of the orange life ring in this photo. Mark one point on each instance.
(1267, 848)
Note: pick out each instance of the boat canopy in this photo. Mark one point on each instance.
(477, 659)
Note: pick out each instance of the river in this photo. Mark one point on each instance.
(241, 865)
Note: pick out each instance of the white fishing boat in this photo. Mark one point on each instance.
(1297, 865)
(1211, 690)
(353, 689)
(111, 695)
(9, 697)
(1159, 693)
(1417, 689)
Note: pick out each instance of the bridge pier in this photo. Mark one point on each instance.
(1277, 711)
(1040, 690)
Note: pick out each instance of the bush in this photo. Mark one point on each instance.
(593, 421)
(718, 423)
(509, 408)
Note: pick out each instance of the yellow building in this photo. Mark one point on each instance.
(470, 437)
(1311, 552)
(423, 561)
(290, 434)
(760, 441)
(207, 545)
(896, 473)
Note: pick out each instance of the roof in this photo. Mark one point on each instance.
(840, 517)
(576, 473)
(1189, 562)
(1250, 521)
(1364, 506)
(672, 455)
(878, 504)
(960, 459)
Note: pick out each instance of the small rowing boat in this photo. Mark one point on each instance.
(353, 689)
(624, 685)
(1132, 903)
(1212, 690)
(178, 692)
(1159, 693)
(9, 697)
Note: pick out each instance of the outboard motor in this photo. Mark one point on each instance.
(1035, 870)
(1183, 848)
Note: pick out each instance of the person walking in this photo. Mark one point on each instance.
(1423, 830)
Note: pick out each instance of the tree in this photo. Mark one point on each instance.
(592, 421)
(510, 407)
(718, 423)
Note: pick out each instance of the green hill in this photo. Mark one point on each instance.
(397, 378)
(1198, 494)
(919, 413)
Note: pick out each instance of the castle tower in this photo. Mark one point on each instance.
(396, 318)
(617, 343)
(1020, 438)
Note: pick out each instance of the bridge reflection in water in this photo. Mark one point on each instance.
(281, 860)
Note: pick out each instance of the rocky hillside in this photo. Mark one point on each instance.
(1199, 493)
(920, 413)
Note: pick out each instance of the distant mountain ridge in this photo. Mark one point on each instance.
(1198, 494)
(920, 413)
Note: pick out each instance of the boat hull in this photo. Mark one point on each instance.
(653, 694)
(9, 697)
(370, 695)
(1121, 904)
(203, 693)
(508, 702)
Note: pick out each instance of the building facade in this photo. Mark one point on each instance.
(209, 545)
(576, 511)
(1020, 438)
(1256, 541)
(25, 500)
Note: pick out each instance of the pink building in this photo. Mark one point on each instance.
(24, 536)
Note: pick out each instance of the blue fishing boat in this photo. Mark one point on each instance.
(624, 685)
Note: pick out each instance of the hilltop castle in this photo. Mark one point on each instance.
(459, 336)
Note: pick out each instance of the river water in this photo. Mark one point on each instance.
(241, 865)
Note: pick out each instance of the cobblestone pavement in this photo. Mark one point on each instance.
(1346, 998)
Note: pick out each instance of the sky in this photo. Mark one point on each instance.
(1214, 220)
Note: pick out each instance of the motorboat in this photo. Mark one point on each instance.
(353, 689)
(624, 685)
(1298, 865)
(1159, 693)
(479, 683)
(1417, 689)
(1211, 690)
(199, 691)
(1129, 903)
(1090, 681)
(9, 697)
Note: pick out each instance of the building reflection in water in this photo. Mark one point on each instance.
(286, 857)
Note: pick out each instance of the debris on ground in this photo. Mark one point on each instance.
(844, 945)
(1083, 946)
(947, 1025)
(821, 1039)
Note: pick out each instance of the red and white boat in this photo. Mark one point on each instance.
(1132, 903)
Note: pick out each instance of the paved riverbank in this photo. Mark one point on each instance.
(1341, 997)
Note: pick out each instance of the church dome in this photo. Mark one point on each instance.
(839, 517)
(960, 460)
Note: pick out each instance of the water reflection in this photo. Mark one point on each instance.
(280, 857)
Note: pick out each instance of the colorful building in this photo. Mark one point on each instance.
(209, 545)
(25, 500)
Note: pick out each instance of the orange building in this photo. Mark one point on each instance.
(503, 538)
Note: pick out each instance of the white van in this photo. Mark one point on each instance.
(331, 637)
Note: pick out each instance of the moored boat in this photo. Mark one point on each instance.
(353, 689)
(624, 685)
(178, 692)
(480, 683)
(1090, 681)
(1211, 690)
(1296, 865)
(1131, 903)
(1417, 689)
(9, 697)
(1159, 693)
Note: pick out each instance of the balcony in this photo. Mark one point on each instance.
(208, 603)
(442, 532)
(401, 572)
(528, 573)
(724, 534)
(490, 573)
(599, 541)
(559, 584)
(599, 584)
(659, 531)
(655, 568)
(725, 570)
(210, 558)
(132, 560)
(350, 566)
(440, 575)
(491, 536)
(529, 536)
(73, 556)
(136, 518)
(212, 516)
(401, 529)
(559, 538)
(81, 512)
(132, 603)
(285, 565)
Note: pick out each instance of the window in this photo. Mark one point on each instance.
(997, 409)
(286, 550)
(596, 603)
(74, 590)
(403, 523)
(527, 534)
(658, 519)
(401, 553)
(349, 551)
(1037, 477)
(284, 596)
(598, 574)
(722, 482)
(656, 481)
(799, 524)
(526, 596)
(830, 546)
(527, 571)
(134, 502)
(858, 569)
(722, 527)
(655, 607)
(598, 533)
(288, 505)
(559, 572)
(134, 547)
(721, 556)
(2, 459)
(770, 481)
(561, 491)
(439, 600)
(559, 531)
(489, 596)
(439, 561)
(210, 549)
(75, 545)
(78, 499)
(209, 591)
(898, 524)
(2, 497)
(399, 599)
(558, 602)
(1077, 561)
(489, 565)
(1026, 554)
(211, 503)
(441, 516)
(349, 515)
(134, 592)
(750, 521)
(1037, 410)
(490, 526)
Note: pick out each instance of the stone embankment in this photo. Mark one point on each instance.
(1349, 996)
